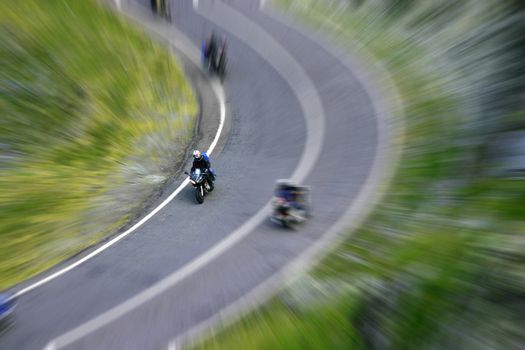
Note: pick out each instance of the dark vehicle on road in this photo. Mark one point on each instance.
(202, 181)
(291, 204)
(214, 56)
(7, 306)
(161, 8)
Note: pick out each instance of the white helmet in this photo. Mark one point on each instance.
(197, 154)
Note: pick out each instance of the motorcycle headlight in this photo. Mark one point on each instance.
(192, 182)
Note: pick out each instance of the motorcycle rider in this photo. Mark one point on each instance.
(211, 49)
(286, 194)
(202, 161)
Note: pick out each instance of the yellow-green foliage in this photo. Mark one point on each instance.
(86, 100)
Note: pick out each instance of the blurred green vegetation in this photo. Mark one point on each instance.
(441, 262)
(94, 117)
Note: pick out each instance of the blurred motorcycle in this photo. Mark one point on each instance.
(291, 204)
(214, 57)
(7, 307)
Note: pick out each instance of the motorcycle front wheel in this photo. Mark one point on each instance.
(199, 194)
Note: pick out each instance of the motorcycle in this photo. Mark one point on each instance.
(291, 205)
(7, 306)
(202, 182)
(216, 64)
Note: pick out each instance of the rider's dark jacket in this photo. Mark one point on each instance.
(200, 163)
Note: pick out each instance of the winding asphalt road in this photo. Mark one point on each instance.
(294, 109)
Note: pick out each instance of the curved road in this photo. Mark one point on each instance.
(293, 110)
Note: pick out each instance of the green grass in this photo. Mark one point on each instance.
(94, 116)
(441, 262)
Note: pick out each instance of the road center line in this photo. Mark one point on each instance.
(383, 168)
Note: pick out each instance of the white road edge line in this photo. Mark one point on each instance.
(381, 174)
(171, 346)
(313, 112)
(195, 4)
(219, 93)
